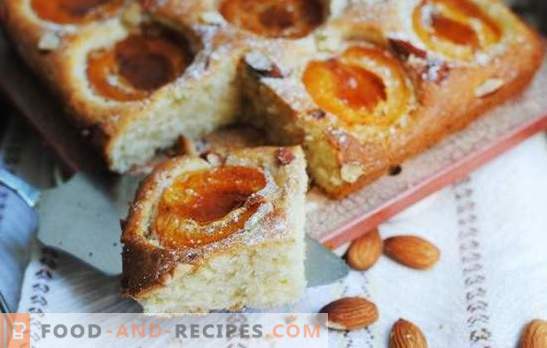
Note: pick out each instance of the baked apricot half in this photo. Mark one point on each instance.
(75, 11)
(455, 28)
(206, 206)
(364, 85)
(138, 65)
(275, 18)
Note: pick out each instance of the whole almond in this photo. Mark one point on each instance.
(535, 335)
(350, 313)
(412, 251)
(405, 334)
(365, 251)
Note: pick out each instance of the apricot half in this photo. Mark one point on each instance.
(365, 85)
(196, 200)
(137, 66)
(275, 18)
(455, 28)
(75, 11)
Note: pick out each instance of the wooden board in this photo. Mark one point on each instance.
(33, 101)
(332, 222)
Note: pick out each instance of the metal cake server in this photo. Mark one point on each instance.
(82, 217)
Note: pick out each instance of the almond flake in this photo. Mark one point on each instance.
(327, 41)
(489, 86)
(258, 61)
(262, 64)
(132, 16)
(213, 18)
(49, 42)
(214, 159)
(351, 172)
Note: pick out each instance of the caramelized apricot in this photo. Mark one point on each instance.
(456, 32)
(138, 65)
(365, 85)
(456, 28)
(275, 18)
(352, 81)
(196, 200)
(75, 11)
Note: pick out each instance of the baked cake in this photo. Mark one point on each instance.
(222, 232)
(133, 85)
(387, 80)
(362, 85)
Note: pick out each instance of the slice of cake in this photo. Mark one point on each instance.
(223, 232)
(389, 80)
(132, 84)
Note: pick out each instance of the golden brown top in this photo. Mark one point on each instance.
(138, 65)
(456, 28)
(365, 85)
(275, 18)
(206, 206)
(75, 11)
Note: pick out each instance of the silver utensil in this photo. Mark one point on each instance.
(4, 308)
(82, 217)
(6, 324)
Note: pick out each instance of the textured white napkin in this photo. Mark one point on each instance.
(491, 280)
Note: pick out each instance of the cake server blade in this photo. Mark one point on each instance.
(82, 217)
(323, 267)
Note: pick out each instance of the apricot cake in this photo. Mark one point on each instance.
(218, 233)
(362, 85)
(389, 79)
(132, 84)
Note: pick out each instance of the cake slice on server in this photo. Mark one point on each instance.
(223, 232)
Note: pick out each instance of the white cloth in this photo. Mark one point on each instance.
(490, 281)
